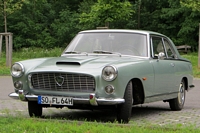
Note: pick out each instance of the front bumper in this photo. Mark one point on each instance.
(91, 100)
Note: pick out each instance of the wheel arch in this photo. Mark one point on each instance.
(138, 91)
(186, 82)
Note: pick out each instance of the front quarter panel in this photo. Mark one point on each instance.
(28, 66)
(141, 69)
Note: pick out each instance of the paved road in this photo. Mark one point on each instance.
(157, 113)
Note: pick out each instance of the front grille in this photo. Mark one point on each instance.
(63, 82)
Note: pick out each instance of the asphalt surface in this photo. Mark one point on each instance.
(157, 113)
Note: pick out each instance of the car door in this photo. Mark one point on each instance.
(172, 58)
(164, 72)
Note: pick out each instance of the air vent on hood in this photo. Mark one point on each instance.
(67, 63)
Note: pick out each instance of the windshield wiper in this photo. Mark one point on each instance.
(105, 52)
(72, 52)
(102, 52)
(76, 52)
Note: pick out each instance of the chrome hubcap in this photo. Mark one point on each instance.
(181, 94)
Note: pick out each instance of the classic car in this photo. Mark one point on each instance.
(107, 68)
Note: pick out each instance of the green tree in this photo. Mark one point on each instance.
(8, 7)
(31, 25)
(65, 26)
(104, 12)
(148, 14)
(194, 4)
(180, 23)
(170, 18)
(44, 23)
(52, 23)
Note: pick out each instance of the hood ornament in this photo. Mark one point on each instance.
(59, 80)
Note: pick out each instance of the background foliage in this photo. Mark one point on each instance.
(53, 23)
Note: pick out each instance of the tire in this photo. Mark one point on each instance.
(124, 110)
(178, 103)
(34, 109)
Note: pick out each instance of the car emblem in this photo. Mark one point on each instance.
(59, 80)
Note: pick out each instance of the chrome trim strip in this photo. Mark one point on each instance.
(104, 101)
(31, 97)
(100, 101)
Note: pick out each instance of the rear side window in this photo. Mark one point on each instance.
(169, 49)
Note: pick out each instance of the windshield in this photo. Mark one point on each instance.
(109, 43)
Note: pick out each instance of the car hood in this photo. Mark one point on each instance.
(81, 63)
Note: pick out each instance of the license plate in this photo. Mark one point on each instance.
(53, 100)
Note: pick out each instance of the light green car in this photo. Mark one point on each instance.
(105, 69)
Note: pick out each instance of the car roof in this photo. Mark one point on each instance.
(121, 30)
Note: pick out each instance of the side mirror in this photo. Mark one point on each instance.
(161, 56)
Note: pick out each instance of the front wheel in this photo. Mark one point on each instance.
(124, 110)
(34, 109)
(178, 103)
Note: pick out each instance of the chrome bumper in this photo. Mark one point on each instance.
(92, 100)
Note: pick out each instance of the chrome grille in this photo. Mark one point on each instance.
(63, 82)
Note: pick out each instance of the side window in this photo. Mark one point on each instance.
(157, 46)
(169, 50)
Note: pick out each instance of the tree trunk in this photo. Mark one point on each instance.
(6, 36)
(199, 49)
(139, 9)
(1, 38)
(7, 50)
(5, 17)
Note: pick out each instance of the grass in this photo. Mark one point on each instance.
(193, 57)
(12, 124)
(29, 53)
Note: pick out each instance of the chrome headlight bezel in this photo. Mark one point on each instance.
(17, 70)
(109, 73)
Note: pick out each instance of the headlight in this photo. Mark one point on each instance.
(109, 73)
(17, 70)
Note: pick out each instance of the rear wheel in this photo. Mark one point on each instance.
(34, 109)
(124, 110)
(178, 103)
